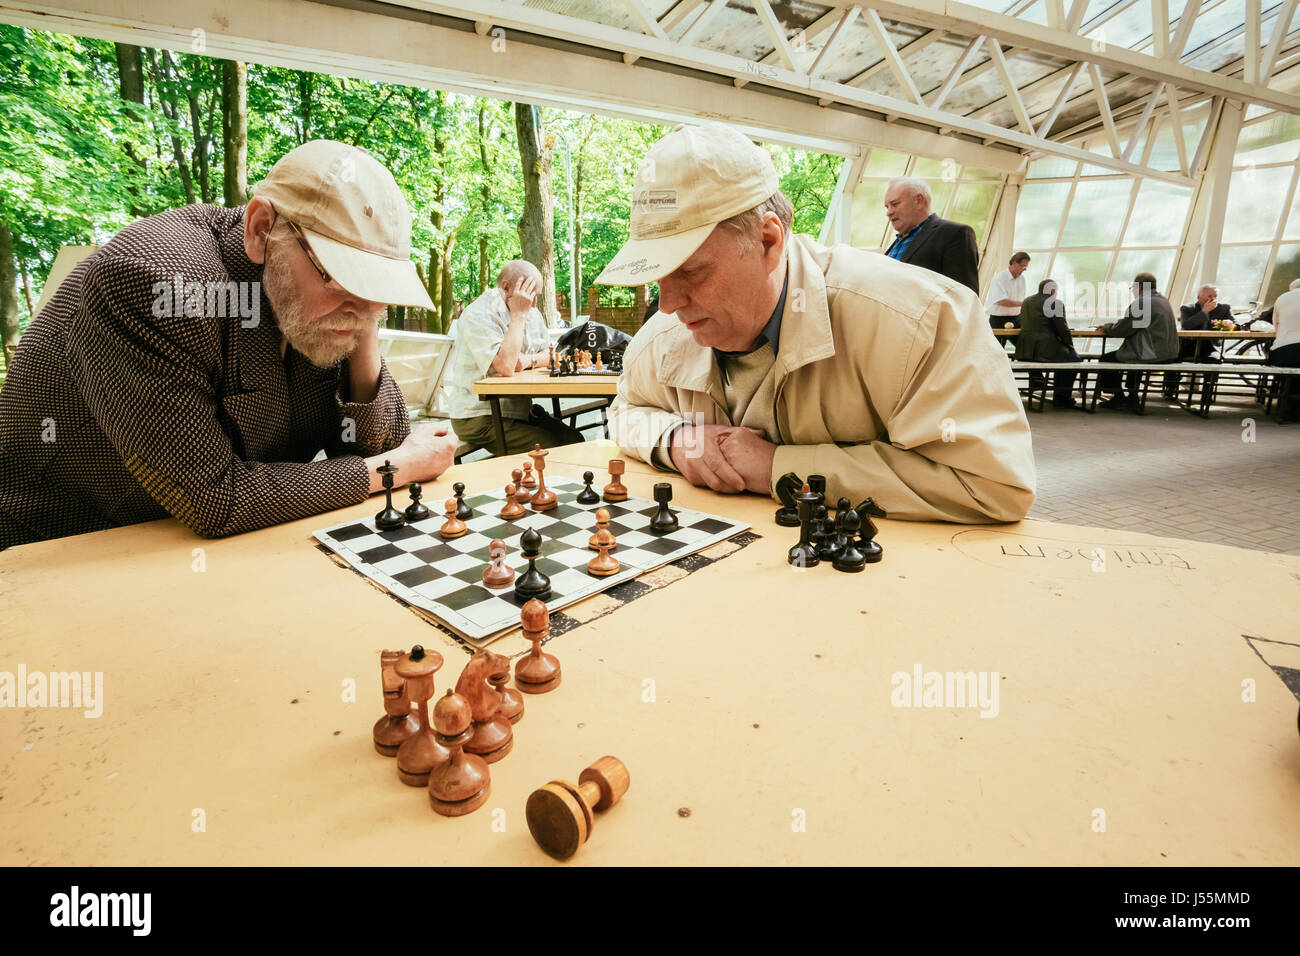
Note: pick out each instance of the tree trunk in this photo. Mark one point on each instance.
(304, 106)
(8, 288)
(168, 100)
(482, 264)
(27, 289)
(537, 225)
(130, 84)
(234, 131)
(448, 289)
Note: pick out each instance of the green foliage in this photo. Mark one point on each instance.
(75, 158)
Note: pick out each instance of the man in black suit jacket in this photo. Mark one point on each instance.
(1045, 337)
(1201, 316)
(925, 240)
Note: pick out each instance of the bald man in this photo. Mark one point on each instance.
(501, 333)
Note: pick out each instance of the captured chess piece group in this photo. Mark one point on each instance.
(449, 751)
(847, 541)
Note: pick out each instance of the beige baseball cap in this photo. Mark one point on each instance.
(691, 180)
(353, 216)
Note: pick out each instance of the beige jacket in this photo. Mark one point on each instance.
(888, 383)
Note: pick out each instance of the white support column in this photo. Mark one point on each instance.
(1251, 40)
(998, 243)
(1222, 150)
(1160, 28)
(838, 224)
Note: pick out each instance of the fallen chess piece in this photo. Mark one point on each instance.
(561, 816)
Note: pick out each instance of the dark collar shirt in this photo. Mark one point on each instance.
(902, 242)
(129, 402)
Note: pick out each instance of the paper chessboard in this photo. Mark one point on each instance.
(444, 577)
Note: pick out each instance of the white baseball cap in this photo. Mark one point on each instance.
(691, 180)
(353, 216)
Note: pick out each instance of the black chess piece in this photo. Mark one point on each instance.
(588, 495)
(390, 518)
(867, 541)
(803, 554)
(787, 516)
(851, 559)
(664, 520)
(869, 507)
(841, 508)
(463, 511)
(817, 485)
(532, 583)
(828, 544)
(817, 536)
(417, 510)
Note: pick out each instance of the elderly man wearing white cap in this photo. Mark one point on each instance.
(771, 354)
(197, 364)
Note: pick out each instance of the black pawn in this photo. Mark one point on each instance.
(803, 554)
(787, 516)
(532, 583)
(851, 559)
(417, 510)
(827, 544)
(588, 495)
(817, 485)
(867, 541)
(664, 520)
(390, 518)
(841, 509)
(463, 511)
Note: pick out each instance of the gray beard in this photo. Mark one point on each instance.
(313, 338)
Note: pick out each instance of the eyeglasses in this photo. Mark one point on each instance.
(311, 256)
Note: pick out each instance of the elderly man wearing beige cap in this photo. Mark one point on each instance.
(198, 363)
(772, 354)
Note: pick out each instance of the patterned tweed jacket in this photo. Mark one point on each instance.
(119, 409)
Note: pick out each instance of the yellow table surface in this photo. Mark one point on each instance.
(539, 382)
(751, 703)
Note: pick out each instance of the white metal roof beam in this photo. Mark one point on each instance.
(1160, 28)
(1103, 107)
(824, 56)
(697, 29)
(777, 31)
(1184, 31)
(1281, 27)
(896, 64)
(1142, 123)
(1017, 104)
(969, 21)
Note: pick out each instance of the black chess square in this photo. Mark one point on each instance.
(661, 546)
(616, 510)
(400, 534)
(351, 532)
(464, 597)
(381, 553)
(436, 553)
(711, 526)
(416, 576)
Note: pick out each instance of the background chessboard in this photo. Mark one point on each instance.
(445, 578)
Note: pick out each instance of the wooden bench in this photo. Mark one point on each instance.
(1271, 382)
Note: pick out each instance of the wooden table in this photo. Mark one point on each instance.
(751, 703)
(537, 383)
(1004, 334)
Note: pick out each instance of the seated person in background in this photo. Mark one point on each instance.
(500, 333)
(1044, 337)
(1285, 351)
(1149, 335)
(1199, 317)
(925, 240)
(152, 384)
(1006, 292)
(772, 354)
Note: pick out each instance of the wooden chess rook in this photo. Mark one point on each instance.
(561, 816)
(398, 723)
(420, 752)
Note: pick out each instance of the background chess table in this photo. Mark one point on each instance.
(241, 678)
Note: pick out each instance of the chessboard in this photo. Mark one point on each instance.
(444, 577)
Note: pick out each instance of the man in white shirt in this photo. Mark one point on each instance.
(1007, 292)
(1286, 345)
(501, 333)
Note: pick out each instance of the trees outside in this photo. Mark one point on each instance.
(94, 135)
